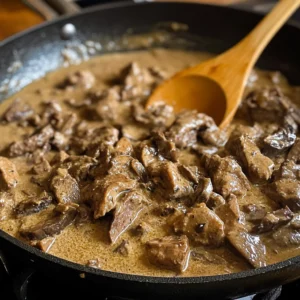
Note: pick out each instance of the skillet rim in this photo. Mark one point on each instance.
(131, 277)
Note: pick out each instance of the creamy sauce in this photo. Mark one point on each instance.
(90, 241)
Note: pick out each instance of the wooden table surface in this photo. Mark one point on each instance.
(15, 16)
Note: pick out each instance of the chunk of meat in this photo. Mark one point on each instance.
(170, 252)
(203, 190)
(214, 136)
(82, 78)
(249, 246)
(258, 166)
(286, 237)
(283, 138)
(157, 115)
(165, 148)
(265, 105)
(33, 205)
(172, 184)
(105, 193)
(63, 216)
(208, 257)
(42, 167)
(7, 203)
(17, 111)
(294, 153)
(272, 221)
(126, 213)
(135, 132)
(254, 213)
(201, 225)
(65, 187)
(227, 176)
(9, 176)
(59, 157)
(123, 147)
(286, 192)
(202, 149)
(191, 173)
(184, 130)
(289, 169)
(36, 141)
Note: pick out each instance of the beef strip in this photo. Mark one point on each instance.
(36, 141)
(254, 213)
(17, 111)
(65, 187)
(286, 192)
(126, 213)
(170, 182)
(286, 237)
(294, 153)
(258, 167)
(184, 130)
(63, 216)
(33, 204)
(289, 169)
(203, 190)
(249, 246)
(207, 257)
(226, 174)
(272, 221)
(104, 193)
(157, 115)
(124, 147)
(170, 252)
(191, 173)
(284, 138)
(9, 176)
(135, 132)
(165, 148)
(265, 105)
(201, 225)
(42, 167)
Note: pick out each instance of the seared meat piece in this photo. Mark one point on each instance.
(104, 193)
(286, 237)
(128, 166)
(126, 213)
(185, 129)
(123, 147)
(124, 248)
(78, 166)
(172, 184)
(137, 82)
(203, 190)
(63, 216)
(226, 174)
(170, 252)
(65, 187)
(284, 138)
(146, 153)
(289, 169)
(214, 201)
(286, 192)
(17, 111)
(42, 167)
(201, 149)
(7, 203)
(201, 225)
(258, 166)
(33, 205)
(254, 212)
(166, 148)
(82, 78)
(45, 244)
(294, 153)
(207, 257)
(273, 220)
(135, 132)
(191, 173)
(9, 176)
(158, 115)
(214, 136)
(230, 213)
(265, 105)
(66, 123)
(36, 141)
(249, 246)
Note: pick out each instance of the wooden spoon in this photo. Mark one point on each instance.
(216, 86)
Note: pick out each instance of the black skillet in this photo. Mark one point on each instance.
(39, 50)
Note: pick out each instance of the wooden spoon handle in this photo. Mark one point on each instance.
(250, 48)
